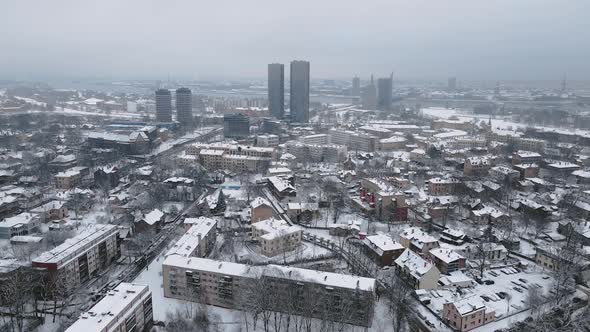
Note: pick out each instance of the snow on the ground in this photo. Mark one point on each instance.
(502, 283)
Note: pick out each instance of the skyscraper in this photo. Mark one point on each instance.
(184, 106)
(385, 93)
(163, 105)
(299, 99)
(276, 89)
(356, 86)
(369, 97)
(452, 84)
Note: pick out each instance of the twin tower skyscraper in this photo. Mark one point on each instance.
(299, 91)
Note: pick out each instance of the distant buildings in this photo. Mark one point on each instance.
(184, 106)
(128, 307)
(356, 87)
(236, 126)
(384, 93)
(299, 99)
(236, 158)
(163, 105)
(452, 84)
(369, 96)
(276, 90)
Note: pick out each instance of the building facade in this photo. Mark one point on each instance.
(184, 106)
(163, 105)
(81, 257)
(276, 90)
(127, 308)
(299, 98)
(310, 293)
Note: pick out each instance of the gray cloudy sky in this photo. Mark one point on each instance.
(472, 39)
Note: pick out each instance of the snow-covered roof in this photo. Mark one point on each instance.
(327, 279)
(153, 217)
(274, 228)
(189, 242)
(417, 236)
(382, 242)
(469, 305)
(258, 201)
(527, 154)
(79, 244)
(113, 309)
(280, 183)
(446, 255)
(19, 219)
(413, 263)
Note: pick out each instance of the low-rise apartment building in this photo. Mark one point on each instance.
(199, 239)
(334, 296)
(442, 186)
(276, 236)
(126, 308)
(82, 257)
(476, 166)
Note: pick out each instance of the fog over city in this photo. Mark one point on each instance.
(295, 166)
(476, 40)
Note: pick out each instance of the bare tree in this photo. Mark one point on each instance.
(398, 294)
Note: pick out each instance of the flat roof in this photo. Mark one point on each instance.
(327, 279)
(77, 245)
(117, 305)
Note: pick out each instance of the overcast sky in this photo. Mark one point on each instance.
(470, 39)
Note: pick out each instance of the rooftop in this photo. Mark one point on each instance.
(112, 309)
(327, 279)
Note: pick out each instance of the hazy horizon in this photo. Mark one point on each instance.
(427, 40)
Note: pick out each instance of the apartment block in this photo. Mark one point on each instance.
(126, 308)
(82, 257)
(338, 297)
(199, 239)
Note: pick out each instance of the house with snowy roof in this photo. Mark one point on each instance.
(151, 222)
(260, 209)
(468, 314)
(276, 236)
(383, 248)
(447, 260)
(417, 271)
(414, 238)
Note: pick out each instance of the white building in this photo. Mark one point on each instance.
(126, 308)
(198, 240)
(416, 271)
(276, 236)
(83, 256)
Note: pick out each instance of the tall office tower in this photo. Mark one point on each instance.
(385, 93)
(184, 106)
(163, 105)
(452, 84)
(276, 89)
(299, 99)
(356, 86)
(369, 97)
(236, 126)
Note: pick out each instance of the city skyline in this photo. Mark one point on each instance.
(421, 40)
